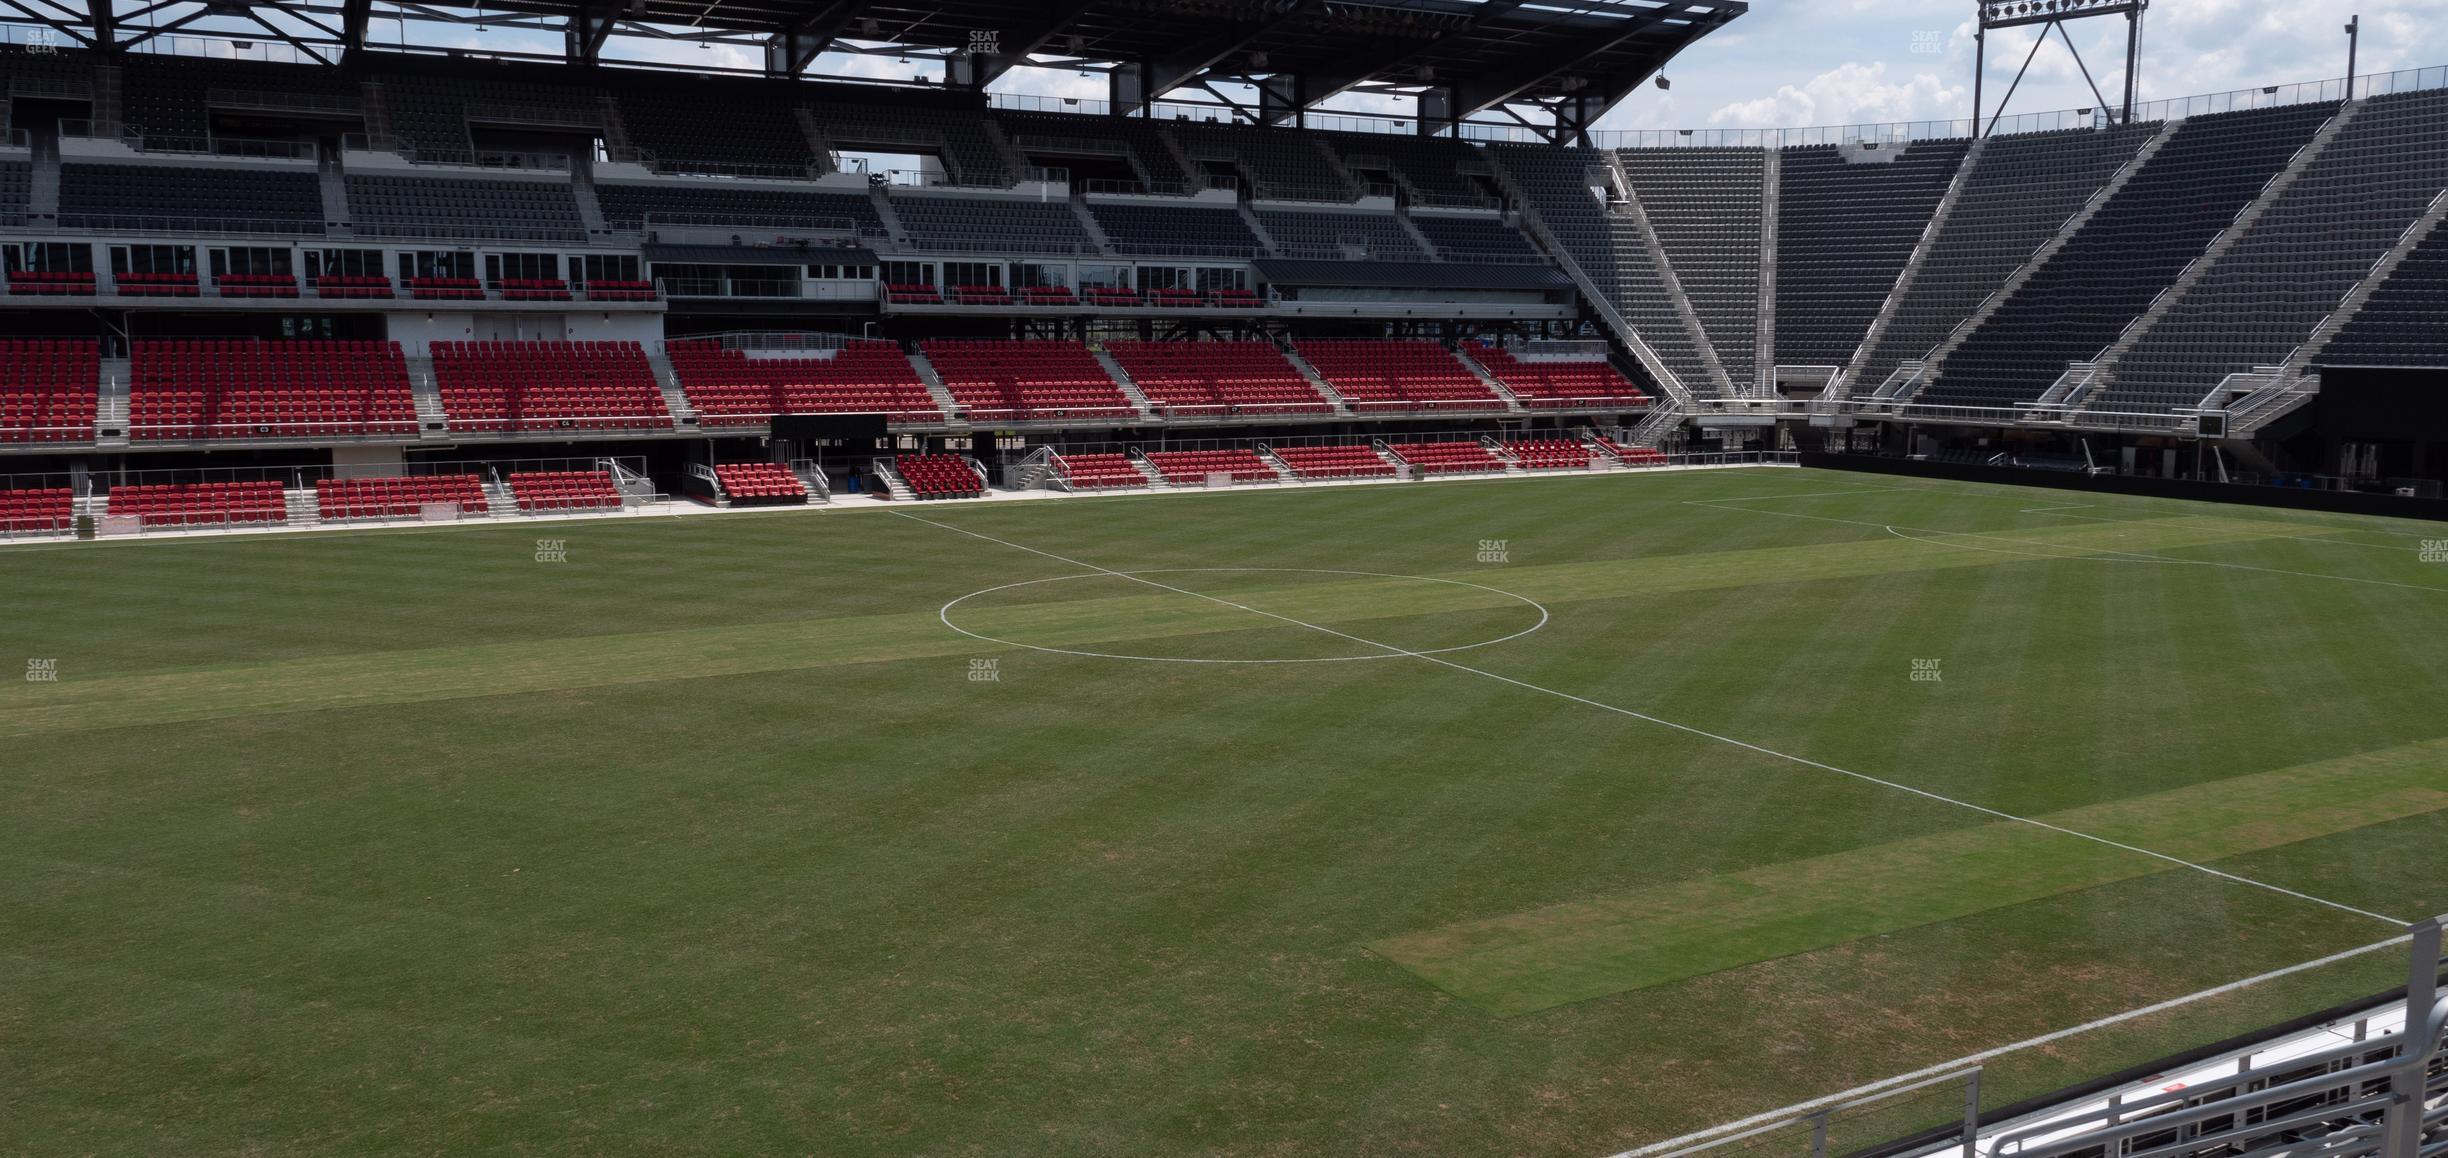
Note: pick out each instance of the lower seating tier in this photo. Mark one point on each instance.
(939, 476)
(394, 498)
(1329, 462)
(1447, 457)
(200, 504)
(565, 490)
(760, 484)
(37, 511)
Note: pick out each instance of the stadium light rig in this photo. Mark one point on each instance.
(2052, 15)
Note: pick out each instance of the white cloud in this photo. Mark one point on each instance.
(1851, 93)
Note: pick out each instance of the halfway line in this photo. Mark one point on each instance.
(1685, 728)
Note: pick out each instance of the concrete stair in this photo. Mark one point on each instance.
(433, 425)
(111, 403)
(1122, 378)
(1487, 379)
(1090, 225)
(1316, 380)
(1763, 355)
(934, 384)
(336, 217)
(303, 510)
(1843, 386)
(1629, 207)
(895, 487)
(684, 416)
(1591, 292)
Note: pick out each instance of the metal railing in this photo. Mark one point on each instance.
(728, 287)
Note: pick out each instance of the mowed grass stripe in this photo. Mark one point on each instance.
(1524, 962)
(475, 671)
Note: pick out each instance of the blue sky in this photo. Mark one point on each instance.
(1840, 62)
(1835, 62)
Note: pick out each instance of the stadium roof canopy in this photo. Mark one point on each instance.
(1553, 64)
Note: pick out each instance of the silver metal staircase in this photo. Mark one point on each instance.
(1316, 380)
(302, 511)
(1763, 356)
(1842, 387)
(111, 404)
(675, 399)
(433, 425)
(1989, 306)
(934, 384)
(1591, 292)
(1092, 227)
(1629, 207)
(1122, 378)
(1488, 379)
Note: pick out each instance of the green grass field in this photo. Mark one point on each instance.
(717, 837)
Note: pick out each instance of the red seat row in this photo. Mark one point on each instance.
(155, 285)
(533, 289)
(1193, 466)
(255, 285)
(606, 290)
(912, 295)
(391, 498)
(1549, 453)
(1396, 374)
(341, 285)
(1017, 380)
(44, 511)
(729, 388)
(191, 389)
(201, 504)
(1454, 457)
(1347, 461)
(981, 295)
(1048, 295)
(1194, 378)
(48, 389)
(1099, 471)
(1633, 455)
(52, 283)
(939, 476)
(760, 483)
(564, 490)
(444, 288)
(546, 386)
(1544, 384)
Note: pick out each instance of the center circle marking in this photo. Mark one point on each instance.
(944, 613)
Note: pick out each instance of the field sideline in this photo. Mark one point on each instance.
(1538, 816)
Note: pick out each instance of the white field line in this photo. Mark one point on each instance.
(1684, 728)
(1800, 1108)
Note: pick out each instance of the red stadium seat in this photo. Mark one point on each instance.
(187, 389)
(500, 387)
(48, 389)
(729, 388)
(1391, 374)
(1022, 380)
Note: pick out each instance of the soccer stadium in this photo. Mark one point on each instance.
(740, 577)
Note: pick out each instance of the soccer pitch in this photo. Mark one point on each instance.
(1528, 816)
